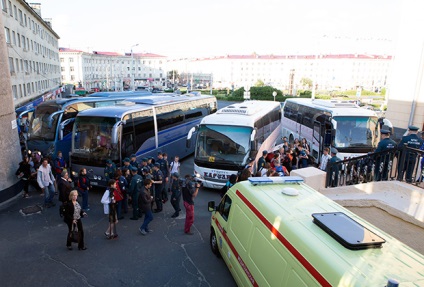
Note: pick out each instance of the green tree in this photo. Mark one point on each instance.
(306, 82)
(173, 75)
(259, 83)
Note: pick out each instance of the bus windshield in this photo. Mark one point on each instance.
(356, 132)
(224, 144)
(93, 138)
(39, 127)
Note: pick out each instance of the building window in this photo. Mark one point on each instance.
(29, 88)
(19, 40)
(23, 42)
(16, 12)
(21, 18)
(17, 64)
(71, 59)
(11, 65)
(62, 60)
(15, 92)
(14, 37)
(3, 5)
(10, 8)
(7, 34)
(72, 78)
(62, 69)
(71, 69)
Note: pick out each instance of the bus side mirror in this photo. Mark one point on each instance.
(115, 129)
(189, 135)
(211, 206)
(253, 147)
(62, 126)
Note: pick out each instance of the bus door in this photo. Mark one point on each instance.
(299, 126)
(328, 134)
(317, 141)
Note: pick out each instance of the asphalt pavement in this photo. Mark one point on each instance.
(34, 253)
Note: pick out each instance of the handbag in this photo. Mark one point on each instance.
(73, 234)
(117, 194)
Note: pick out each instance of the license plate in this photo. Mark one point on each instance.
(94, 183)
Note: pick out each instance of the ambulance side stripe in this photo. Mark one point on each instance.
(239, 259)
(308, 266)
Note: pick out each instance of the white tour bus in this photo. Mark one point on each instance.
(227, 139)
(352, 130)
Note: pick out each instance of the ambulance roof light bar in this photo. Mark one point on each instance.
(275, 180)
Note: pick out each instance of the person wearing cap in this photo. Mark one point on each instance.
(134, 191)
(190, 189)
(126, 163)
(382, 161)
(334, 167)
(158, 180)
(143, 164)
(262, 160)
(411, 141)
(150, 162)
(133, 160)
(176, 193)
(164, 168)
(146, 206)
(109, 170)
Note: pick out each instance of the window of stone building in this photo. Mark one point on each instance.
(11, 65)
(3, 5)
(10, 8)
(15, 92)
(71, 59)
(21, 18)
(7, 34)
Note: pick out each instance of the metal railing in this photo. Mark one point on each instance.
(394, 164)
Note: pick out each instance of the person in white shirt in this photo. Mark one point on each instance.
(174, 168)
(45, 180)
(324, 159)
(175, 165)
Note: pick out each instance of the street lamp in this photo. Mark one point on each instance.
(246, 95)
(132, 68)
(274, 94)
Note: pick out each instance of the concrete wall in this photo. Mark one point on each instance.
(10, 152)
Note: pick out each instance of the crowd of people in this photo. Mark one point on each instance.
(144, 186)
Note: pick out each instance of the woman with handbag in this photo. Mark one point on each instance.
(109, 204)
(73, 214)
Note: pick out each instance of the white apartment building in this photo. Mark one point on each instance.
(329, 72)
(110, 70)
(33, 51)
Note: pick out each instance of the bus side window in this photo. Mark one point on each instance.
(224, 207)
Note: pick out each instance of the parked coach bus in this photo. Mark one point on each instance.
(51, 125)
(227, 139)
(354, 131)
(142, 127)
(277, 231)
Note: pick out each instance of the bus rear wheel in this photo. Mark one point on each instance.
(214, 244)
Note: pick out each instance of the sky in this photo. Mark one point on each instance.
(199, 28)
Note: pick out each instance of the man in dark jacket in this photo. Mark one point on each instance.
(134, 190)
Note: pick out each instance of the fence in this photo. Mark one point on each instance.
(394, 164)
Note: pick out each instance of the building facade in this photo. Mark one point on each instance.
(110, 70)
(33, 52)
(406, 94)
(329, 72)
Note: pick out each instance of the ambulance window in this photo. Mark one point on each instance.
(224, 207)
